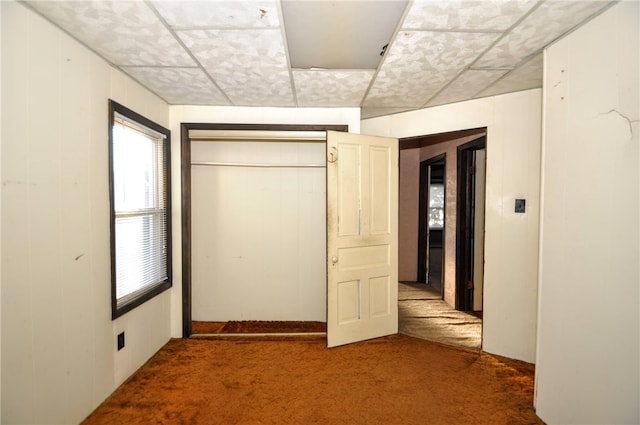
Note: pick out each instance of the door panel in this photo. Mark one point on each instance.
(363, 257)
(380, 296)
(349, 192)
(380, 180)
(362, 238)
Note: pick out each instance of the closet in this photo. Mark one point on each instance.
(258, 225)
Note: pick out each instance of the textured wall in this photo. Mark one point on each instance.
(589, 327)
(408, 214)
(59, 358)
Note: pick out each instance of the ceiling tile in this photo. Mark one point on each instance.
(250, 66)
(476, 15)
(545, 24)
(420, 63)
(331, 87)
(219, 14)
(124, 32)
(184, 86)
(468, 84)
(526, 76)
(240, 45)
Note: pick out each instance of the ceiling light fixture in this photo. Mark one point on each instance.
(339, 34)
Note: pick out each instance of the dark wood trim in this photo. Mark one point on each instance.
(464, 222)
(112, 224)
(185, 152)
(185, 147)
(423, 208)
(265, 127)
(434, 139)
(167, 283)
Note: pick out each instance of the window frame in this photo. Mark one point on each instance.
(161, 286)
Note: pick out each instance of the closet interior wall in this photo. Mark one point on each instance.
(258, 230)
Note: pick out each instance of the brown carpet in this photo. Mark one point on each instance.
(257, 327)
(391, 380)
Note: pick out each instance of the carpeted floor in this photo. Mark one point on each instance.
(257, 327)
(423, 314)
(391, 380)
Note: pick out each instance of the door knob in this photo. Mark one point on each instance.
(334, 259)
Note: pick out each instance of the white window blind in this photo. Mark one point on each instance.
(140, 205)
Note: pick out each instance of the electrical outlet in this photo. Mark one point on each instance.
(120, 341)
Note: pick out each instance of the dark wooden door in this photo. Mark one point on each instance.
(465, 210)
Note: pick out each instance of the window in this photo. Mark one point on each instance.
(436, 206)
(140, 209)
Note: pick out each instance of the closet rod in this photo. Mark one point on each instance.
(258, 165)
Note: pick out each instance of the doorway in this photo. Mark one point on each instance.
(431, 218)
(424, 313)
(470, 225)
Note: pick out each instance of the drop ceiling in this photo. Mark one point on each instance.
(323, 53)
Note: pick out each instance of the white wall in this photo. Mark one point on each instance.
(59, 357)
(513, 171)
(234, 115)
(259, 234)
(588, 337)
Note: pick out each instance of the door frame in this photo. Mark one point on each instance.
(185, 186)
(465, 222)
(423, 222)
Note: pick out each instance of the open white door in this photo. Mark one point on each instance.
(362, 237)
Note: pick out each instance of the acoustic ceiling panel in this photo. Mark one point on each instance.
(219, 14)
(544, 25)
(451, 15)
(179, 86)
(331, 87)
(420, 63)
(466, 86)
(526, 76)
(124, 32)
(222, 52)
(250, 65)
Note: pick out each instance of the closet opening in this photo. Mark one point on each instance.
(253, 223)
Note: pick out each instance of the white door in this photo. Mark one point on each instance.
(362, 237)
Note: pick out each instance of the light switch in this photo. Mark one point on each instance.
(520, 205)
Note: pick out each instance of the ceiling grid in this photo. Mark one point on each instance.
(319, 53)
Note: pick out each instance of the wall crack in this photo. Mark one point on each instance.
(629, 121)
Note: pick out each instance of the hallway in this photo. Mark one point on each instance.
(423, 314)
